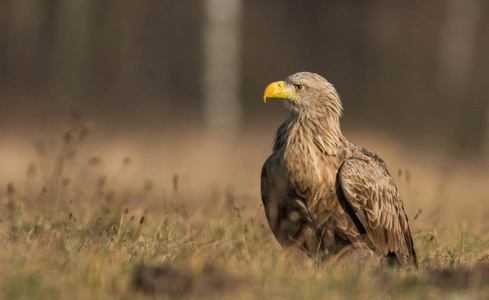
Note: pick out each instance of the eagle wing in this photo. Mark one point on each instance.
(273, 212)
(265, 190)
(288, 216)
(370, 191)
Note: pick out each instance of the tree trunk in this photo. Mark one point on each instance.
(222, 32)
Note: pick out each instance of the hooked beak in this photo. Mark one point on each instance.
(279, 89)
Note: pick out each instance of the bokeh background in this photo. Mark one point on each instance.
(175, 87)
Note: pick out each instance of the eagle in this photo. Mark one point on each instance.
(323, 193)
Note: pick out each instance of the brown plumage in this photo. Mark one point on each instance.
(323, 193)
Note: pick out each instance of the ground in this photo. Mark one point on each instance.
(190, 224)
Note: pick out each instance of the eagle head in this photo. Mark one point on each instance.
(306, 94)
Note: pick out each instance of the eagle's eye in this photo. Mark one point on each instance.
(299, 87)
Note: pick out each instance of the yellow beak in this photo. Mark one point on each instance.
(279, 89)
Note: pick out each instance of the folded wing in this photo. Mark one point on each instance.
(370, 191)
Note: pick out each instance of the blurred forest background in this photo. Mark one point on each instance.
(415, 71)
(117, 111)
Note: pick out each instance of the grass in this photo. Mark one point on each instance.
(68, 231)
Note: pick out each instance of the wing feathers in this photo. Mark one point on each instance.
(370, 191)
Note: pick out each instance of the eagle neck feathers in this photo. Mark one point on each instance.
(298, 130)
(309, 150)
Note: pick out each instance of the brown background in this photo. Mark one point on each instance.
(413, 77)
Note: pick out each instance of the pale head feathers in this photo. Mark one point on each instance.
(317, 99)
(315, 115)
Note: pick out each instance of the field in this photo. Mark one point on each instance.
(178, 215)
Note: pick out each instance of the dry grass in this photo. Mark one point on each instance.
(85, 226)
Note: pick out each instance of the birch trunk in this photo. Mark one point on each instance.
(222, 66)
